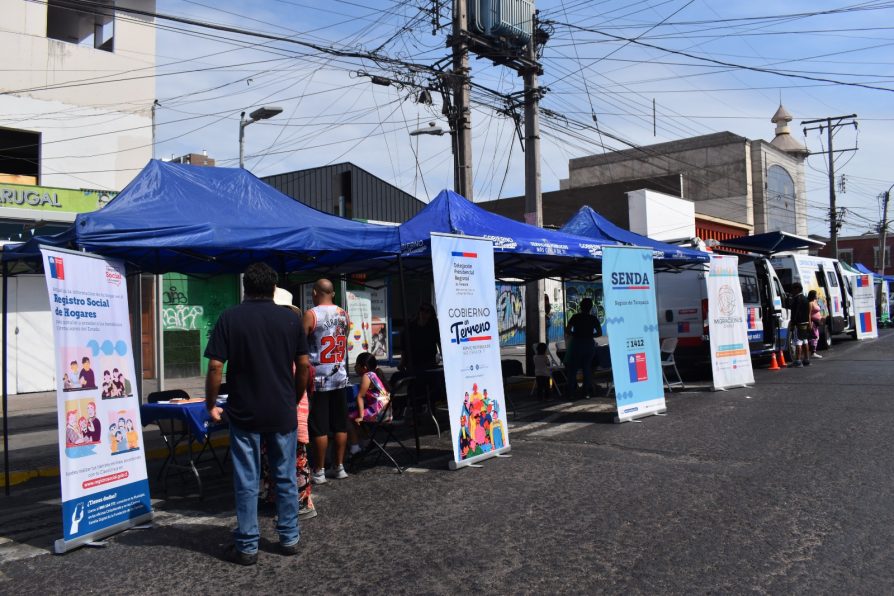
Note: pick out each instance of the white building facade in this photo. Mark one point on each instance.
(77, 89)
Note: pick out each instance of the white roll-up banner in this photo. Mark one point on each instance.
(466, 298)
(730, 354)
(102, 465)
(864, 306)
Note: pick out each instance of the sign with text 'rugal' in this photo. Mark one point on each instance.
(470, 345)
(863, 291)
(631, 324)
(102, 461)
(730, 354)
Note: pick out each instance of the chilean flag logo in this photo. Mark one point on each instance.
(636, 364)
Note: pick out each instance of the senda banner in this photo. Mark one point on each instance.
(727, 320)
(102, 460)
(631, 323)
(466, 298)
(863, 291)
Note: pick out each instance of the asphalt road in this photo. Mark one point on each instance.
(785, 487)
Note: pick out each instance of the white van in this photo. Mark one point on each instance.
(682, 298)
(823, 275)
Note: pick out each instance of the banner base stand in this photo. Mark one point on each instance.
(504, 455)
(97, 544)
(62, 546)
(661, 412)
(473, 462)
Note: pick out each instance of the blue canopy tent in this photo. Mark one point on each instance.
(521, 251)
(201, 220)
(862, 269)
(589, 223)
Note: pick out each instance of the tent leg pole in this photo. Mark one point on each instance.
(159, 331)
(406, 349)
(5, 325)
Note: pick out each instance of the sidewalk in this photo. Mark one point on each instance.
(33, 432)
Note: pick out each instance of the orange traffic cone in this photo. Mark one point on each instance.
(782, 359)
(773, 364)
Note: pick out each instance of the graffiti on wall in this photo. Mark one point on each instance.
(173, 296)
(575, 291)
(511, 314)
(182, 317)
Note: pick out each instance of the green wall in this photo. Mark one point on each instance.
(190, 308)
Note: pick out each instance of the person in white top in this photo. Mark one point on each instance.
(327, 327)
(541, 371)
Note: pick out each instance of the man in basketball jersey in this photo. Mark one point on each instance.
(327, 327)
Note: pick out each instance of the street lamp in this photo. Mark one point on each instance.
(260, 114)
(432, 129)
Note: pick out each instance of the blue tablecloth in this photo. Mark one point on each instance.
(194, 414)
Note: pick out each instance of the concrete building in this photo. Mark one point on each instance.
(738, 186)
(76, 107)
(76, 94)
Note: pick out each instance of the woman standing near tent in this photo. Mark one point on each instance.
(583, 328)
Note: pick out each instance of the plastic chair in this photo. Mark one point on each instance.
(668, 347)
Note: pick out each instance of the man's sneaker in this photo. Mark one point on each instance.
(796, 364)
(232, 555)
(338, 473)
(307, 513)
(318, 477)
(807, 363)
(815, 355)
(288, 550)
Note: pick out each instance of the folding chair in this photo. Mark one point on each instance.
(513, 374)
(405, 394)
(382, 425)
(668, 347)
(603, 368)
(556, 368)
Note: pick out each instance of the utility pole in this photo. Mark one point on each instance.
(535, 316)
(883, 232)
(462, 125)
(831, 124)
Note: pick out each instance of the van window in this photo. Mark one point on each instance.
(833, 280)
(749, 289)
(785, 277)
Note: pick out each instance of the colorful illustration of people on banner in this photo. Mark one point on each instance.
(863, 291)
(102, 463)
(730, 354)
(631, 324)
(470, 344)
(481, 430)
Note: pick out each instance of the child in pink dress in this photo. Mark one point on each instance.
(370, 401)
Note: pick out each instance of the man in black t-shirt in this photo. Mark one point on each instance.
(265, 348)
(582, 328)
(803, 331)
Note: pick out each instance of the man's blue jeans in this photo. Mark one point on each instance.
(582, 352)
(245, 447)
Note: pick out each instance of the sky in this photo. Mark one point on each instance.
(709, 67)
